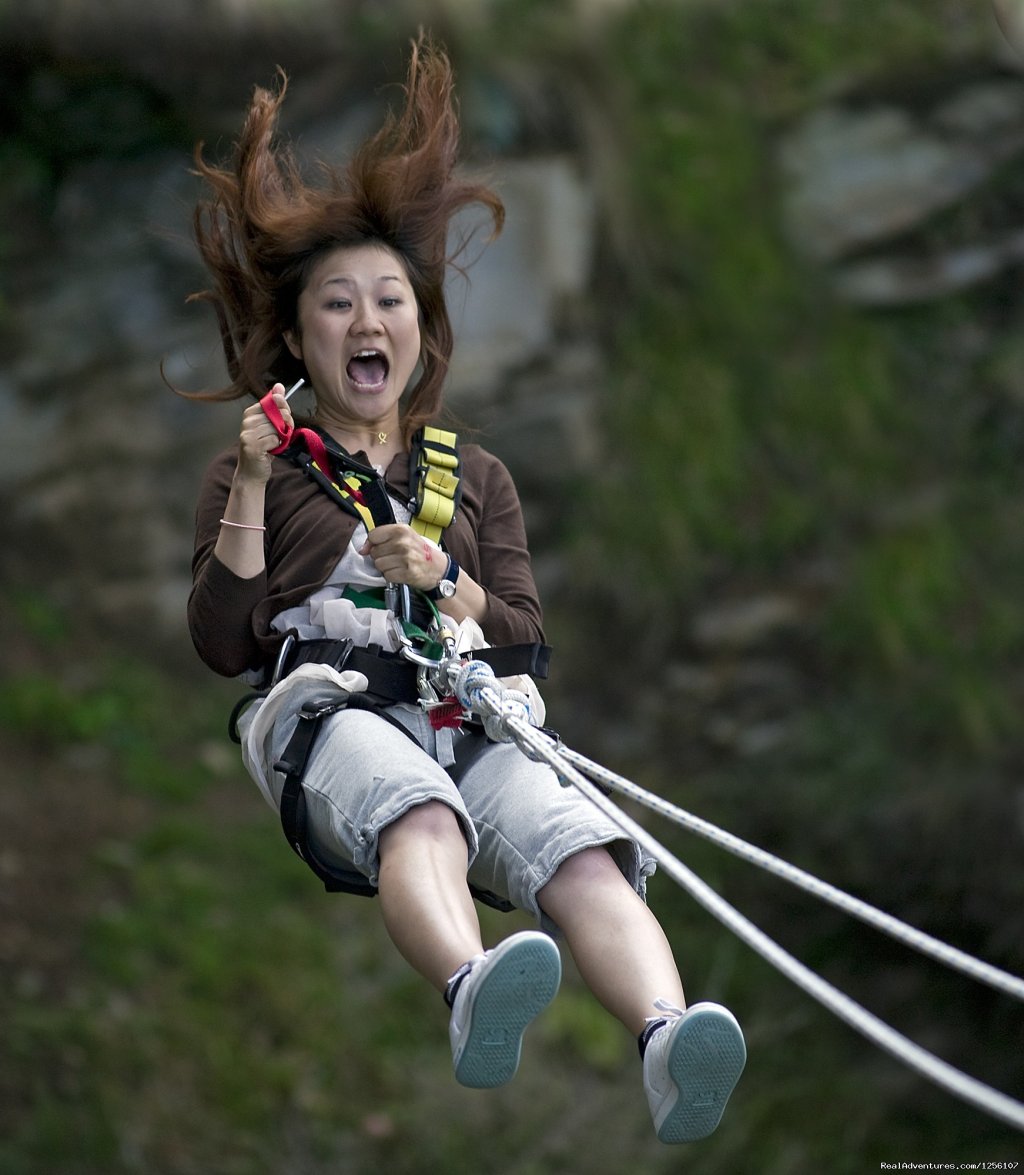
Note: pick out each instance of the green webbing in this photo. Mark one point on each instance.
(374, 598)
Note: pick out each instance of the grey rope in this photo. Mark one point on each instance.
(506, 716)
(908, 935)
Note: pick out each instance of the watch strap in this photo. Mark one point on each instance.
(451, 575)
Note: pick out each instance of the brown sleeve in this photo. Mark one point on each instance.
(221, 604)
(488, 539)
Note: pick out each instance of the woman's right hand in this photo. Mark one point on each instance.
(258, 437)
(243, 527)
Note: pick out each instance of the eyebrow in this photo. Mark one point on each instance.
(347, 281)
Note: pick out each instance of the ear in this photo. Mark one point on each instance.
(293, 342)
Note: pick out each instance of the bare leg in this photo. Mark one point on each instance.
(425, 899)
(619, 946)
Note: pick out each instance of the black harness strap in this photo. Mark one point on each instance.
(348, 483)
(392, 678)
(511, 660)
(294, 815)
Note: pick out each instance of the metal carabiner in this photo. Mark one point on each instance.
(398, 600)
(282, 657)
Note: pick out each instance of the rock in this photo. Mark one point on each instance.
(747, 741)
(906, 279)
(1010, 20)
(857, 176)
(505, 312)
(740, 624)
(991, 110)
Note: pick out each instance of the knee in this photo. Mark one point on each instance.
(583, 874)
(432, 821)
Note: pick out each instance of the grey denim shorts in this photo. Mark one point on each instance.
(520, 823)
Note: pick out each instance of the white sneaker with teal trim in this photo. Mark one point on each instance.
(691, 1066)
(493, 999)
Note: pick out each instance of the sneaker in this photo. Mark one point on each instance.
(691, 1065)
(493, 998)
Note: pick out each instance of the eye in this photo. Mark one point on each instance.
(339, 304)
(391, 300)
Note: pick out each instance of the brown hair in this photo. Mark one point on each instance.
(264, 227)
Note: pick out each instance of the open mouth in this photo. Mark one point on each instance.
(368, 370)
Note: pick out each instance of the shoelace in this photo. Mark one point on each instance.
(669, 1011)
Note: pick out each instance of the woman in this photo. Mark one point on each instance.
(342, 286)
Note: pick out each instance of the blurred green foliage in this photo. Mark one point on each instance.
(761, 424)
(54, 114)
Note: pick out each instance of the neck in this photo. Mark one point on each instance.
(377, 438)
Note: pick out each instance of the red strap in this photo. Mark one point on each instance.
(449, 713)
(287, 434)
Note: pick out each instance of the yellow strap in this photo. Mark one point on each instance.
(438, 486)
(353, 483)
(437, 510)
(440, 481)
(347, 485)
(427, 530)
(440, 436)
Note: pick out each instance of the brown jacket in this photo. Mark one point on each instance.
(229, 617)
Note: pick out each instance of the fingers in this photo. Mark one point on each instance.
(280, 399)
(402, 556)
(257, 433)
(398, 539)
(257, 437)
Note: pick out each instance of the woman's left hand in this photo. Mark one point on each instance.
(403, 556)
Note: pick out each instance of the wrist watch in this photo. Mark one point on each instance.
(446, 587)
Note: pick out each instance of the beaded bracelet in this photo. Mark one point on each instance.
(241, 525)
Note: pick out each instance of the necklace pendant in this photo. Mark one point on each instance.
(382, 438)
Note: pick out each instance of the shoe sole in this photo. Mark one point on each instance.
(705, 1060)
(522, 978)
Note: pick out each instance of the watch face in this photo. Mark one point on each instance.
(446, 588)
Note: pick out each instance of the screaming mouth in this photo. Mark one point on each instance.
(368, 369)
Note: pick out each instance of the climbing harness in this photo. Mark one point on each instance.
(508, 720)
(391, 678)
(416, 673)
(406, 676)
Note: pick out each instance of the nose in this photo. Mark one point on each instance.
(366, 320)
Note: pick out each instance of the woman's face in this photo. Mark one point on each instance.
(358, 334)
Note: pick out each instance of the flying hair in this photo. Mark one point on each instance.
(263, 226)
